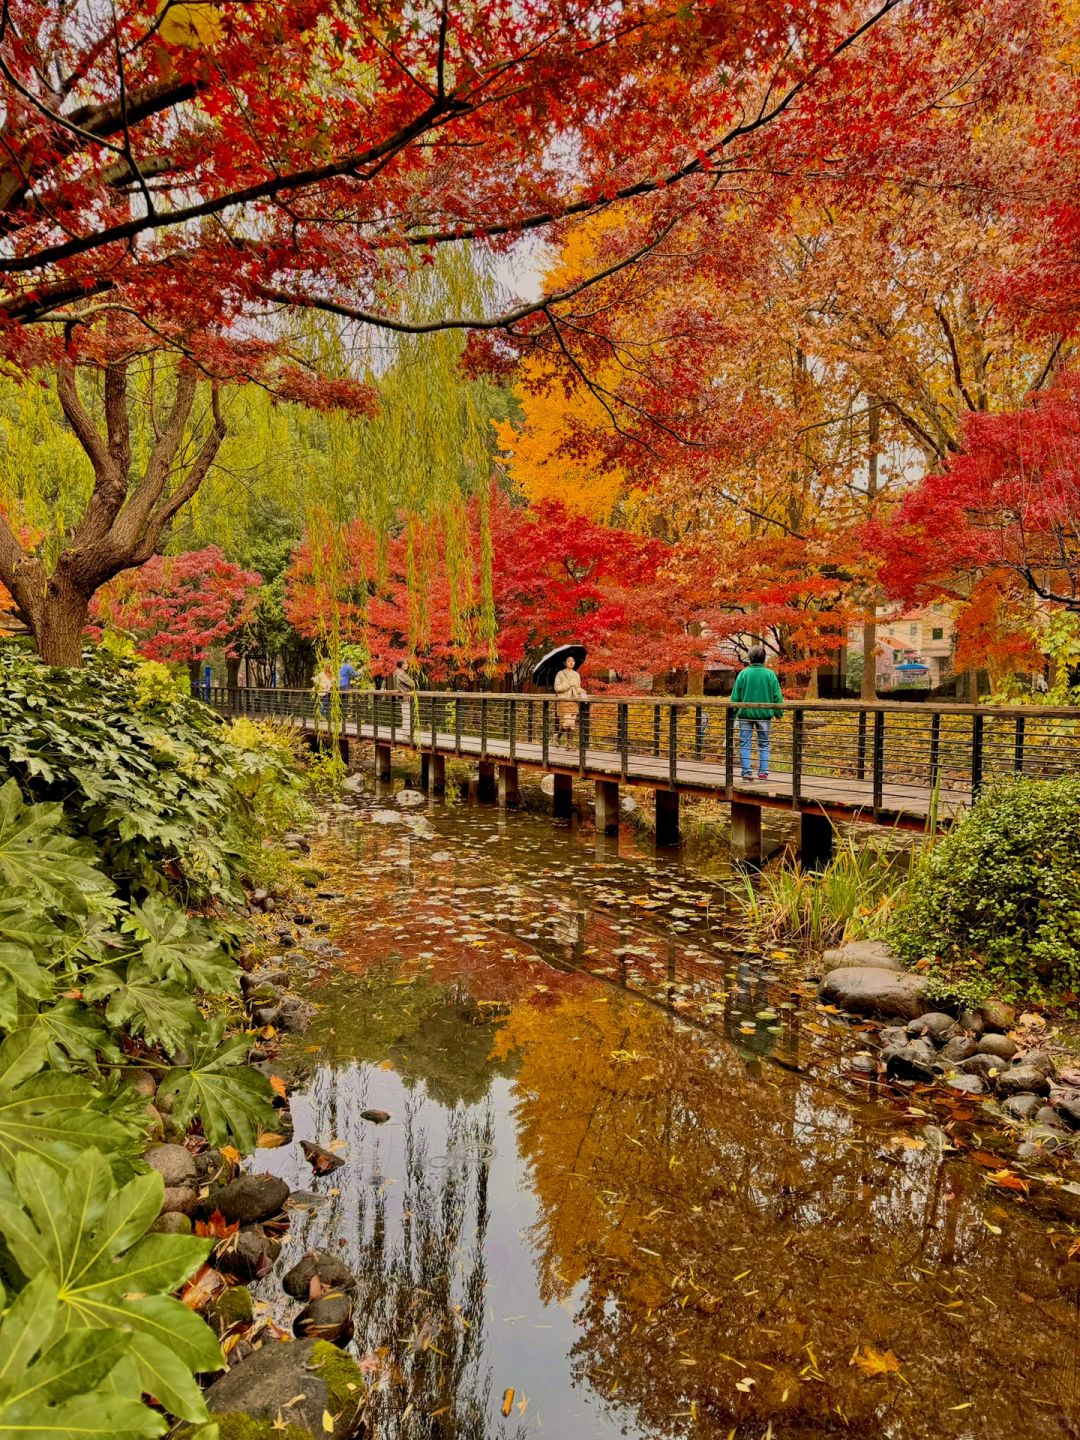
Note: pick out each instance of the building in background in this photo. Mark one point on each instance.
(915, 648)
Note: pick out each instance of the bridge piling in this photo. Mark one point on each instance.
(607, 807)
(383, 762)
(438, 774)
(746, 832)
(815, 840)
(425, 771)
(485, 789)
(667, 818)
(563, 797)
(508, 787)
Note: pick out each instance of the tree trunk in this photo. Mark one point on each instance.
(59, 623)
(868, 688)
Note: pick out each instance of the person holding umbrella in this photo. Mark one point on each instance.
(569, 692)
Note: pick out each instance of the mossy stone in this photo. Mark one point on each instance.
(232, 1306)
(237, 1426)
(341, 1375)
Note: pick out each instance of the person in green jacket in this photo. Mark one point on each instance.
(758, 701)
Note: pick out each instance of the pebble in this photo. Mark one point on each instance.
(999, 1045)
(971, 1021)
(174, 1163)
(935, 1024)
(1021, 1107)
(172, 1222)
(181, 1199)
(1018, 1079)
(323, 1161)
(331, 1272)
(968, 1084)
(327, 1318)
(249, 1254)
(377, 1117)
(250, 1198)
(989, 1068)
(960, 1047)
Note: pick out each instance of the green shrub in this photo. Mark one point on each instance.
(996, 902)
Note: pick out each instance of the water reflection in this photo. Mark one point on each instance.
(647, 1223)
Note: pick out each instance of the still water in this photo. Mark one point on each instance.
(626, 1176)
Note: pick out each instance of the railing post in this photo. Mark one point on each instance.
(861, 770)
(656, 728)
(797, 735)
(457, 724)
(545, 738)
(512, 719)
(879, 760)
(529, 721)
(699, 732)
(673, 743)
(729, 752)
(583, 734)
(483, 726)
(976, 754)
(624, 738)
(434, 726)
(1018, 746)
(935, 747)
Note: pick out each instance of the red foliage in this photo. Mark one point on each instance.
(555, 578)
(178, 607)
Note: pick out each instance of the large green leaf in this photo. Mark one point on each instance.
(37, 859)
(158, 1010)
(74, 1034)
(52, 1115)
(175, 947)
(220, 1087)
(90, 1238)
(66, 1386)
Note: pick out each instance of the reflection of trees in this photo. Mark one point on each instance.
(429, 1031)
(721, 1227)
(421, 1297)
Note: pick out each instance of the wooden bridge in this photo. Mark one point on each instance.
(888, 763)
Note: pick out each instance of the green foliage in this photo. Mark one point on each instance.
(96, 1298)
(852, 898)
(996, 901)
(221, 1088)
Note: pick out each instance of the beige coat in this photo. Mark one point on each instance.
(568, 689)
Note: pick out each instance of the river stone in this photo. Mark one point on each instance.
(141, 1081)
(989, 1068)
(281, 1379)
(971, 1021)
(872, 990)
(331, 1272)
(377, 1117)
(860, 953)
(1050, 1137)
(968, 1084)
(385, 817)
(249, 1254)
(410, 797)
(181, 1199)
(960, 1047)
(862, 1064)
(1000, 1045)
(214, 1168)
(1021, 1107)
(996, 1015)
(327, 1318)
(174, 1163)
(895, 1035)
(296, 1015)
(171, 1222)
(936, 1025)
(1039, 1060)
(323, 1161)
(1068, 1107)
(1021, 1079)
(250, 1198)
(914, 1061)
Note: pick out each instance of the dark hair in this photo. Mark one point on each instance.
(402, 662)
(757, 654)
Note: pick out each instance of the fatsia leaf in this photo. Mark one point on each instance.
(50, 1115)
(175, 947)
(73, 1034)
(219, 1086)
(89, 1238)
(160, 1011)
(65, 1387)
(36, 858)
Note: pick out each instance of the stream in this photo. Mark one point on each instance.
(632, 1184)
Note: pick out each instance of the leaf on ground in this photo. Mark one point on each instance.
(872, 1361)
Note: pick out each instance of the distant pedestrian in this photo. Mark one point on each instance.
(324, 684)
(758, 700)
(347, 674)
(569, 692)
(403, 682)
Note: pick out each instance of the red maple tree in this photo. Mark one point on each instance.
(177, 608)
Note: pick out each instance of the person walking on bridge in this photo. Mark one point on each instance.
(758, 700)
(569, 692)
(402, 681)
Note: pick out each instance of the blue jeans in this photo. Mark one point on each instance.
(746, 735)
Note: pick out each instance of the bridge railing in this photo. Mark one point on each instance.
(887, 756)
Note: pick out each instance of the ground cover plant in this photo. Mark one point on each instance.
(995, 903)
(130, 820)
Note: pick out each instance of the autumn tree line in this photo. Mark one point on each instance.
(797, 341)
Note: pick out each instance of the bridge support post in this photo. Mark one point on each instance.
(563, 797)
(508, 787)
(425, 770)
(815, 840)
(667, 817)
(486, 787)
(607, 807)
(343, 748)
(746, 832)
(438, 774)
(383, 762)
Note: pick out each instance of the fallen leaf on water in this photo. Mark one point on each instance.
(508, 1400)
(217, 1226)
(230, 1153)
(269, 1139)
(277, 1084)
(875, 1362)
